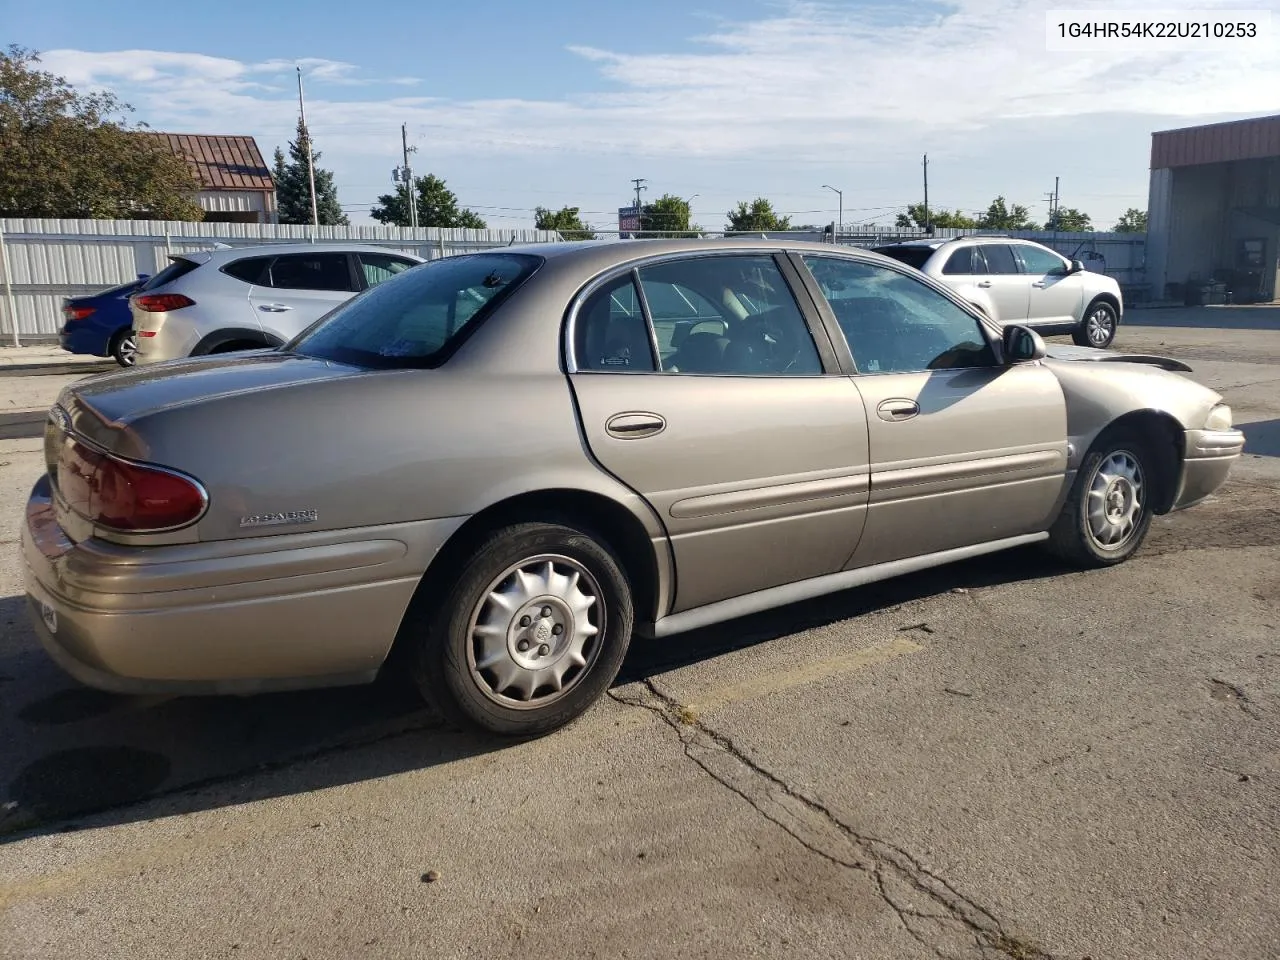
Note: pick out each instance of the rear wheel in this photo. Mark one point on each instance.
(1099, 326)
(124, 347)
(1108, 512)
(531, 632)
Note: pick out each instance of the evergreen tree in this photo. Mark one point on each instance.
(437, 206)
(293, 186)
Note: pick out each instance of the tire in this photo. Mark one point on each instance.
(492, 678)
(124, 348)
(1106, 481)
(1098, 328)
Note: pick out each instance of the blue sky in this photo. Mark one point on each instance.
(518, 105)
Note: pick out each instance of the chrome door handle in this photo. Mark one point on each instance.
(985, 283)
(897, 409)
(1038, 283)
(634, 426)
(274, 307)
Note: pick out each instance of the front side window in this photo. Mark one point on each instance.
(894, 323)
(416, 319)
(1040, 261)
(378, 267)
(311, 271)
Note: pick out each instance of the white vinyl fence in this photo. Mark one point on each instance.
(46, 260)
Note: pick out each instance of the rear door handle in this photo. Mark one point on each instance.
(985, 283)
(274, 307)
(634, 426)
(897, 409)
(1038, 283)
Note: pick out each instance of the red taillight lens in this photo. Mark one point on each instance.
(77, 313)
(162, 302)
(125, 496)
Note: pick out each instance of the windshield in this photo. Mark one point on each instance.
(913, 256)
(417, 318)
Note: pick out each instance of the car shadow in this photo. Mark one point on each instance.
(1262, 438)
(71, 751)
(1217, 317)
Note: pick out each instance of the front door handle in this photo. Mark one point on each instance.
(897, 409)
(634, 426)
(984, 283)
(274, 307)
(1038, 283)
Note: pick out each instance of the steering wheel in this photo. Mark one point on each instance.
(770, 340)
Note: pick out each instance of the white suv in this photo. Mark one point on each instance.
(248, 298)
(1020, 281)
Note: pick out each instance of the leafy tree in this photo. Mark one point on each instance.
(914, 217)
(758, 215)
(566, 221)
(1132, 220)
(437, 206)
(68, 154)
(999, 216)
(668, 216)
(1070, 220)
(293, 186)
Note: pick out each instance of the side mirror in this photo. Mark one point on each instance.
(1077, 266)
(1021, 345)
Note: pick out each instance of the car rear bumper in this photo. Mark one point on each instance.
(261, 613)
(82, 339)
(163, 336)
(1208, 459)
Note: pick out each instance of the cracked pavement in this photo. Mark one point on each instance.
(997, 759)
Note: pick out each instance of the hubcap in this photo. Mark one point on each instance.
(1100, 325)
(535, 632)
(129, 350)
(1115, 500)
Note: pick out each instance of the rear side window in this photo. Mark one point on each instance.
(311, 271)
(966, 260)
(180, 266)
(1000, 258)
(418, 318)
(610, 331)
(250, 270)
(912, 256)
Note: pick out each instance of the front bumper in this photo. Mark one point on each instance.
(241, 616)
(1208, 458)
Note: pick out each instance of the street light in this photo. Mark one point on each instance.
(840, 215)
(689, 203)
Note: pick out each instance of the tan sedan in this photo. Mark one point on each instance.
(502, 464)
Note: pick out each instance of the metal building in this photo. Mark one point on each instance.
(1213, 224)
(236, 184)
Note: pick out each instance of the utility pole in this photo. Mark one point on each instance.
(928, 226)
(407, 174)
(638, 181)
(311, 167)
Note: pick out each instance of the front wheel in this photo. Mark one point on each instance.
(124, 348)
(1099, 326)
(530, 634)
(1108, 512)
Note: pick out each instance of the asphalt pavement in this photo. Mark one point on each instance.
(999, 758)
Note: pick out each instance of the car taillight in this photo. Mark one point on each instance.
(77, 313)
(162, 302)
(127, 496)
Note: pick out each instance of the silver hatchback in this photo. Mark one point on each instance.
(251, 297)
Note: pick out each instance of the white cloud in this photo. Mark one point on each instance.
(815, 82)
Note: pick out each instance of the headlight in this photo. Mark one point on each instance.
(1219, 418)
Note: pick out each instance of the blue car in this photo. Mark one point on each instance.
(100, 323)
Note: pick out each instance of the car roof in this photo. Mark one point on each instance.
(274, 249)
(595, 255)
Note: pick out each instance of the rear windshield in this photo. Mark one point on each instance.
(417, 318)
(912, 256)
(179, 267)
